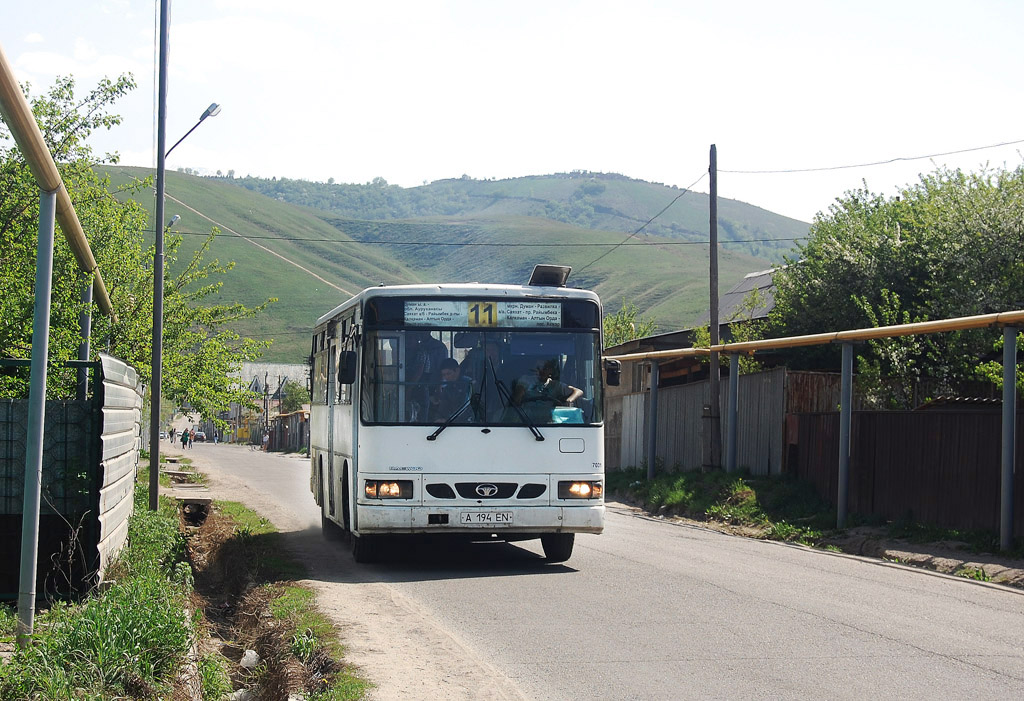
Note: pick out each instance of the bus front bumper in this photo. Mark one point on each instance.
(467, 520)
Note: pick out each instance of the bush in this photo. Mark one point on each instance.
(128, 641)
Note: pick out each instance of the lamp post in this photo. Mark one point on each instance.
(158, 254)
(158, 296)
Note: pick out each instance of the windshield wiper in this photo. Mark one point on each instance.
(448, 422)
(507, 399)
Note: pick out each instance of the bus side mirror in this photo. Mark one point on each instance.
(613, 371)
(346, 367)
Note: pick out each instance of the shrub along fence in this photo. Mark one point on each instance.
(733, 425)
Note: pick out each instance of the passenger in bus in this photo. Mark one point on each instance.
(452, 394)
(425, 372)
(538, 392)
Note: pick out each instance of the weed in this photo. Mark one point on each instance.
(127, 641)
(8, 622)
(783, 509)
(975, 573)
(213, 675)
(304, 645)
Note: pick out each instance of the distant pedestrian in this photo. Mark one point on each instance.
(266, 440)
(191, 437)
(171, 435)
(184, 439)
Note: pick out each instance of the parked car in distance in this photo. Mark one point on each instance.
(163, 434)
(200, 436)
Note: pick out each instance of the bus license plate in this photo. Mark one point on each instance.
(485, 518)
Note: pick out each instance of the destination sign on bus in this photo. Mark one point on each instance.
(483, 313)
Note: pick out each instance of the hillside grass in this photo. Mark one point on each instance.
(667, 281)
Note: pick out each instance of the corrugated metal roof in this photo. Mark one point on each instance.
(730, 305)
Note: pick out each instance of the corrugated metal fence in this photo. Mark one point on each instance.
(120, 440)
(681, 421)
(90, 450)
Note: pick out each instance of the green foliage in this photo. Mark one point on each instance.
(304, 645)
(669, 282)
(780, 508)
(948, 246)
(200, 349)
(626, 325)
(742, 327)
(215, 683)
(992, 370)
(976, 573)
(8, 621)
(126, 642)
(294, 395)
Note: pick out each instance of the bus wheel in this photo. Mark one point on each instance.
(363, 548)
(557, 546)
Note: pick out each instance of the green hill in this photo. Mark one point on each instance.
(602, 201)
(312, 259)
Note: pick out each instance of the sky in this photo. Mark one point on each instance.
(422, 90)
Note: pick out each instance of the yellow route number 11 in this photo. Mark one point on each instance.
(483, 314)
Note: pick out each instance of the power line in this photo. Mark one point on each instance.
(644, 226)
(500, 245)
(873, 163)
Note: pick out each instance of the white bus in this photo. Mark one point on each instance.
(463, 409)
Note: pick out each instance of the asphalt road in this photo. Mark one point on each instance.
(648, 610)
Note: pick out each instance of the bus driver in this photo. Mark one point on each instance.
(538, 392)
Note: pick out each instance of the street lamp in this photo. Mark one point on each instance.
(211, 111)
(158, 268)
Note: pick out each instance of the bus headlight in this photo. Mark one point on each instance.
(580, 490)
(388, 489)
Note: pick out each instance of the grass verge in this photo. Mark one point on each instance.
(128, 640)
(778, 508)
(772, 508)
(246, 585)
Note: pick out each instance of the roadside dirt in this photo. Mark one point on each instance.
(396, 644)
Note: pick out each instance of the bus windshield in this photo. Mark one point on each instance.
(492, 377)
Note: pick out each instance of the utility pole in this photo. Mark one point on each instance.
(715, 413)
(156, 381)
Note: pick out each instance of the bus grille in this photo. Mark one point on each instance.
(489, 490)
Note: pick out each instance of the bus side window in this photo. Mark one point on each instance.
(385, 380)
(320, 378)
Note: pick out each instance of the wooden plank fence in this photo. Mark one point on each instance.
(940, 468)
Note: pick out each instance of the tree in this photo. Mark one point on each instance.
(626, 325)
(293, 396)
(950, 245)
(201, 353)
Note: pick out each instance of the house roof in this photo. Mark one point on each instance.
(731, 304)
(730, 308)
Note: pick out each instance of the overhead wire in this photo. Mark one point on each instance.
(868, 165)
(488, 243)
(686, 189)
